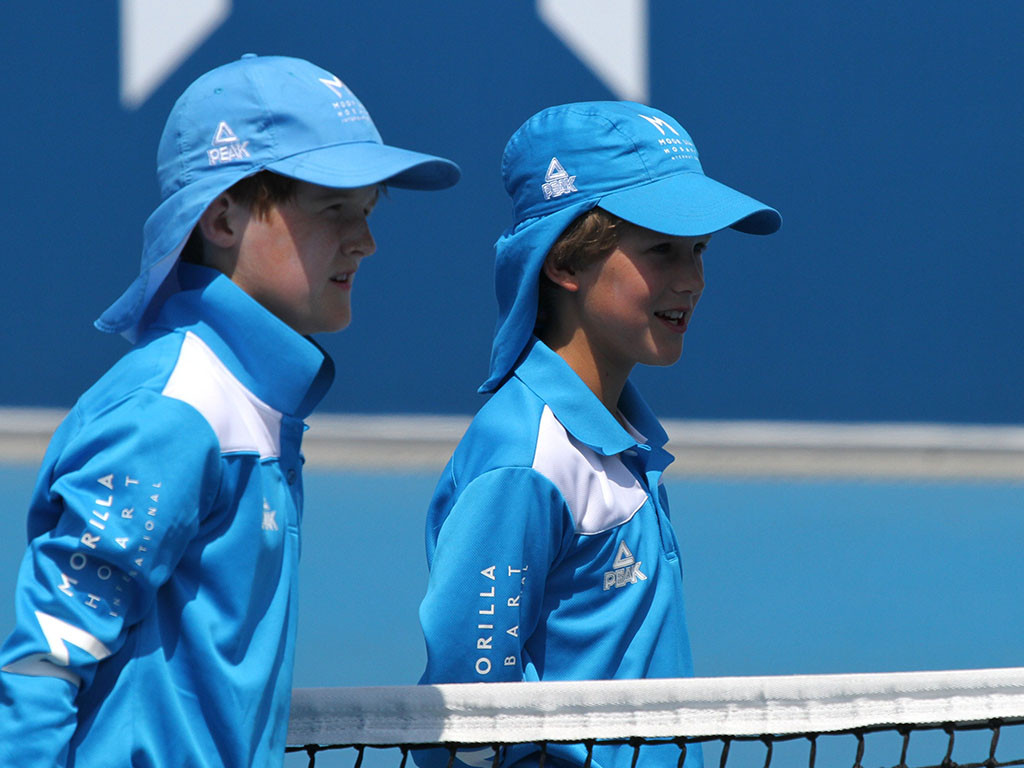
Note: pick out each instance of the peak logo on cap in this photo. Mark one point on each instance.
(227, 147)
(557, 181)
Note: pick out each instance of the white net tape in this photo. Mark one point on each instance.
(491, 713)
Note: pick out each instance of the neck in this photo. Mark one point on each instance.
(605, 379)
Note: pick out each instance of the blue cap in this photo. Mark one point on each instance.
(633, 161)
(272, 113)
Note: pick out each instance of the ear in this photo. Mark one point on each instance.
(563, 277)
(220, 224)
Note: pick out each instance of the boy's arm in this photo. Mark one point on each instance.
(121, 498)
(486, 593)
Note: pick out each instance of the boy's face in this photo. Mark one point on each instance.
(300, 260)
(637, 303)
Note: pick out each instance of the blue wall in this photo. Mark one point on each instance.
(887, 134)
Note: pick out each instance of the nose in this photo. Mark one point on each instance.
(689, 275)
(361, 242)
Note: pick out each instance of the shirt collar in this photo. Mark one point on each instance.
(577, 408)
(288, 371)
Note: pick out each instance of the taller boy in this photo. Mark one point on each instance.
(551, 551)
(156, 604)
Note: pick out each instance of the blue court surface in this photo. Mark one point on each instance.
(783, 577)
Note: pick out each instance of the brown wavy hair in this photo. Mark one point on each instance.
(589, 239)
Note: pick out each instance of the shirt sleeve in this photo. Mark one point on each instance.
(117, 501)
(486, 592)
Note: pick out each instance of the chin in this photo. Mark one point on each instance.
(336, 324)
(665, 357)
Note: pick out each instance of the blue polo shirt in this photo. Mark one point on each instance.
(551, 551)
(156, 602)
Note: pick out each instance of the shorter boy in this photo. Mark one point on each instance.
(157, 599)
(551, 552)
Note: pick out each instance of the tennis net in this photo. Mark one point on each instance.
(949, 719)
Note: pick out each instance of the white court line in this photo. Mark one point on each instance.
(705, 448)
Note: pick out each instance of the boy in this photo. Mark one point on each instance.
(551, 552)
(156, 605)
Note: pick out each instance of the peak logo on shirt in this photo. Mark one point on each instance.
(626, 569)
(269, 517)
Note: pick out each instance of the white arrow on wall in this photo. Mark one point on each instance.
(157, 36)
(609, 36)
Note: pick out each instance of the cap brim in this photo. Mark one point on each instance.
(361, 164)
(691, 205)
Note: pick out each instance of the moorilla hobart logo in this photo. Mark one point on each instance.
(660, 124)
(226, 146)
(676, 146)
(347, 106)
(557, 181)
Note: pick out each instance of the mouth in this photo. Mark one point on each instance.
(343, 279)
(676, 319)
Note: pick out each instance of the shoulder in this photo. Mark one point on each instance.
(175, 381)
(138, 427)
(502, 434)
(131, 393)
(491, 471)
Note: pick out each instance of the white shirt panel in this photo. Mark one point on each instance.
(600, 491)
(241, 421)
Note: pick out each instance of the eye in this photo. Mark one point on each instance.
(699, 249)
(661, 248)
